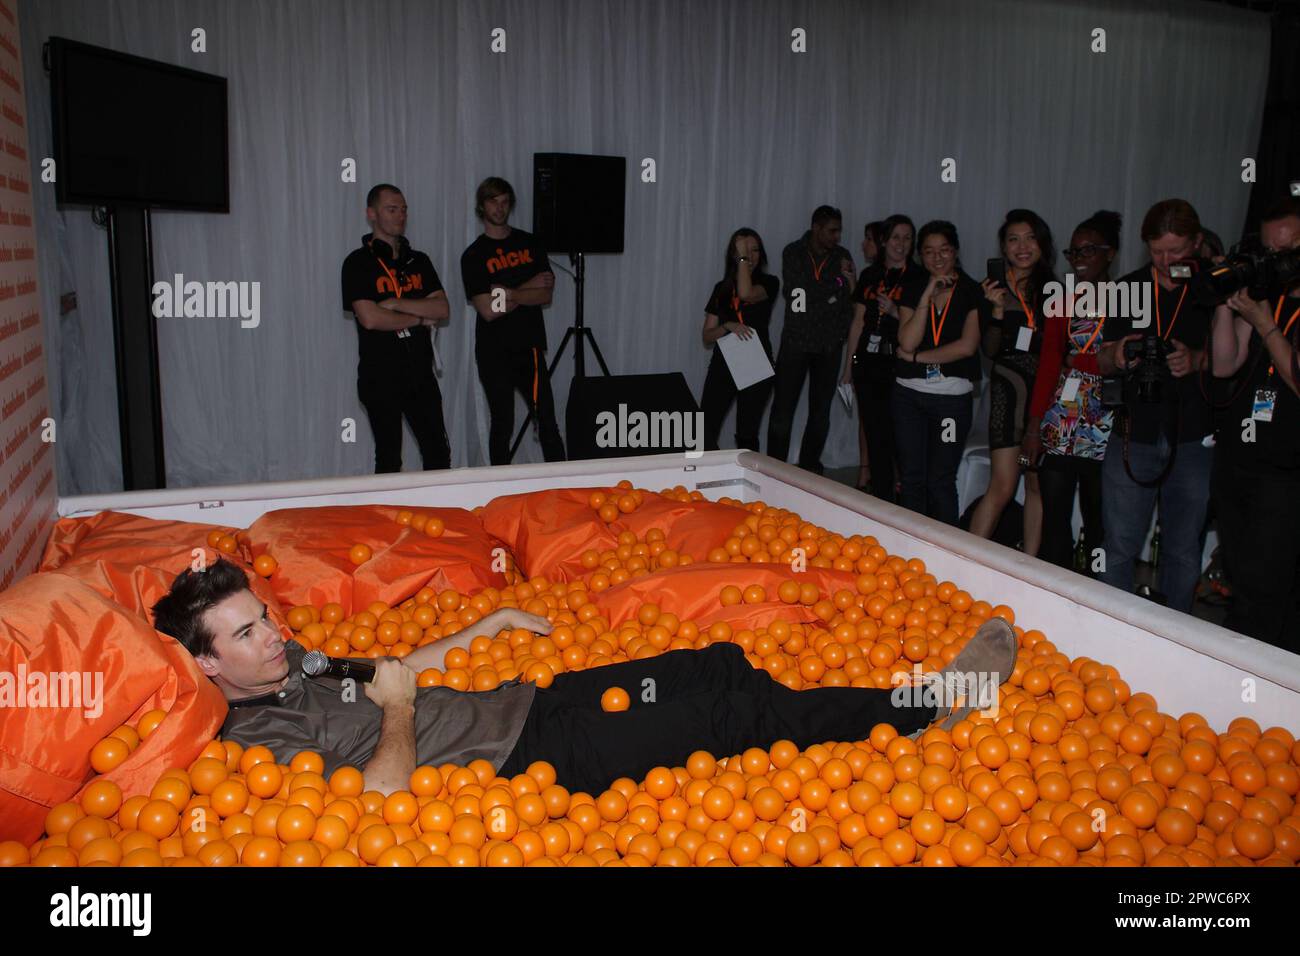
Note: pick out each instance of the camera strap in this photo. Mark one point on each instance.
(1179, 308)
(1122, 413)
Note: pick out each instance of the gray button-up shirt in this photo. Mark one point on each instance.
(311, 713)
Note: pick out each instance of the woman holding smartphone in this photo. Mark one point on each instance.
(1066, 417)
(935, 373)
(873, 338)
(741, 305)
(1014, 342)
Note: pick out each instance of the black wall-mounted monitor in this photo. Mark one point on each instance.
(139, 132)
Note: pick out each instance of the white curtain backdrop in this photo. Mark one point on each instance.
(743, 131)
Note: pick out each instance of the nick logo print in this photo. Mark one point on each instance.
(409, 283)
(505, 260)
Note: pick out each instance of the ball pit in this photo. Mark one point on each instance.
(1077, 768)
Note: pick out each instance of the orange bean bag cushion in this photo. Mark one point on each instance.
(54, 624)
(549, 530)
(311, 547)
(134, 560)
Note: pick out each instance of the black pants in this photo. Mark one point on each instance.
(873, 387)
(702, 700)
(417, 397)
(1259, 524)
(502, 373)
(715, 401)
(1058, 478)
(822, 370)
(930, 434)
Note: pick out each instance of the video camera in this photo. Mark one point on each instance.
(1261, 273)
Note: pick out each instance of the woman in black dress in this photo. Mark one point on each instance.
(1014, 340)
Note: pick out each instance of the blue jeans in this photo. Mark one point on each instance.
(927, 464)
(1127, 506)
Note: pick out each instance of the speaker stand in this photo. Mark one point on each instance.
(135, 342)
(580, 334)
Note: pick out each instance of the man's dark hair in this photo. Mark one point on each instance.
(490, 188)
(1170, 216)
(372, 197)
(826, 214)
(180, 613)
(1282, 208)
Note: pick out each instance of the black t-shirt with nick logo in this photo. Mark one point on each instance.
(372, 274)
(508, 262)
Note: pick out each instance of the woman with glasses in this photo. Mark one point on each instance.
(740, 305)
(935, 373)
(1066, 417)
(1014, 340)
(873, 338)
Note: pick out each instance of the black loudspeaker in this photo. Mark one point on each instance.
(642, 414)
(578, 202)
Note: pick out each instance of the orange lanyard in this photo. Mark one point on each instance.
(735, 307)
(880, 286)
(397, 286)
(1156, 283)
(1277, 319)
(1095, 332)
(937, 331)
(817, 269)
(1029, 313)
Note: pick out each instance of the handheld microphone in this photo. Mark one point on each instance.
(319, 664)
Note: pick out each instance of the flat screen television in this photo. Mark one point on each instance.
(138, 132)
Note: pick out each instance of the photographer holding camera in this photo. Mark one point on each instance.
(1157, 446)
(1257, 465)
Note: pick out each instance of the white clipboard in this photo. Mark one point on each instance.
(745, 359)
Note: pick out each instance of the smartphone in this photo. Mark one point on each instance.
(997, 271)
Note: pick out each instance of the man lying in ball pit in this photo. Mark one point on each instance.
(680, 701)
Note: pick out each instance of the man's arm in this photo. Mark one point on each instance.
(381, 317)
(536, 291)
(433, 308)
(490, 625)
(393, 761)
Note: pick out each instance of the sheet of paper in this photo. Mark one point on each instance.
(846, 395)
(745, 359)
